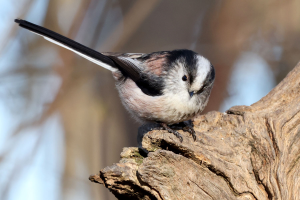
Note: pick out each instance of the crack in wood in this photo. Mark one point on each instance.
(288, 121)
(276, 149)
(256, 175)
(227, 179)
(148, 185)
(201, 188)
(191, 156)
(272, 137)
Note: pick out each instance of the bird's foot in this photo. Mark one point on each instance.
(166, 127)
(186, 126)
(191, 131)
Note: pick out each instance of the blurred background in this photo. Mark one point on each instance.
(60, 115)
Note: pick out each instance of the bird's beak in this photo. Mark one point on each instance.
(191, 94)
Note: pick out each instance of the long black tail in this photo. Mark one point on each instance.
(65, 42)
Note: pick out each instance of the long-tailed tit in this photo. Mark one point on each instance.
(166, 87)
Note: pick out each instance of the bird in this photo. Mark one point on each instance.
(165, 87)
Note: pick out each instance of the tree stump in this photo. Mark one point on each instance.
(248, 152)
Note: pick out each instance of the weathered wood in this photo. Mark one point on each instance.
(249, 152)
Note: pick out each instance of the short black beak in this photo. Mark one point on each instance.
(191, 94)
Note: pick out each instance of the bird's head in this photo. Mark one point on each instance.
(188, 73)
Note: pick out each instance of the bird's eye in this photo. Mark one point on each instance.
(184, 78)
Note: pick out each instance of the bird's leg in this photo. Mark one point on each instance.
(189, 128)
(166, 127)
(186, 126)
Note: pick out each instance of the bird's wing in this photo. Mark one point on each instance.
(130, 65)
(152, 63)
(110, 62)
(151, 66)
(125, 55)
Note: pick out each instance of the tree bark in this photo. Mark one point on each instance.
(248, 152)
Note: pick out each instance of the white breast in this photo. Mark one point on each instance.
(168, 109)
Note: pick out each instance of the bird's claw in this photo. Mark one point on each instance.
(177, 134)
(185, 127)
(191, 131)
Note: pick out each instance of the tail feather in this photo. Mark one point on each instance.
(88, 53)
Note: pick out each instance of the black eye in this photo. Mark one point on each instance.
(184, 78)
